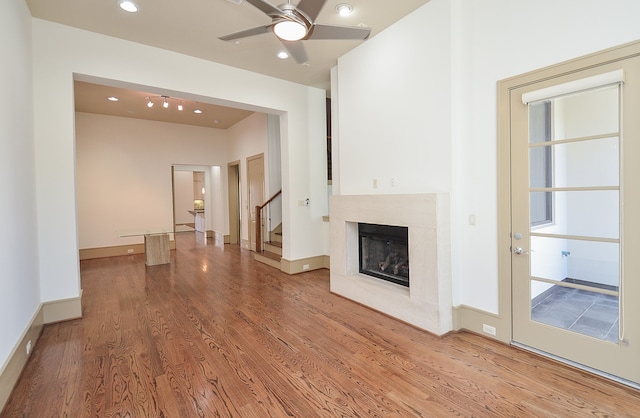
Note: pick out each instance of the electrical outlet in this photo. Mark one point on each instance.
(28, 347)
(488, 329)
(305, 267)
(130, 251)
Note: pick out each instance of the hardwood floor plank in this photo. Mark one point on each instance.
(216, 334)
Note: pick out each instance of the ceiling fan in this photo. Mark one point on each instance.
(293, 24)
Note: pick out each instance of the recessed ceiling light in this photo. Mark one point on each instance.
(283, 55)
(344, 9)
(112, 99)
(128, 6)
(198, 111)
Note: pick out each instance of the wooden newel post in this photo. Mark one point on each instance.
(258, 229)
(259, 221)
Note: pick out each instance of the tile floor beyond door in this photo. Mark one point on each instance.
(581, 311)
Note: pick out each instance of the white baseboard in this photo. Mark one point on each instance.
(48, 312)
(62, 310)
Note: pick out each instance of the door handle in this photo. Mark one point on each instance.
(519, 250)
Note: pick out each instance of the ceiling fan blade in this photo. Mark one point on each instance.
(311, 7)
(245, 33)
(266, 8)
(296, 50)
(339, 32)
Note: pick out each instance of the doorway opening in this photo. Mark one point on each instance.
(192, 200)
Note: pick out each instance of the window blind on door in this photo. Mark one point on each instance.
(600, 80)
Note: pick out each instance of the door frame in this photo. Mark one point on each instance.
(250, 209)
(505, 87)
(233, 187)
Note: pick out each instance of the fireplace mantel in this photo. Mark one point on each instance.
(427, 302)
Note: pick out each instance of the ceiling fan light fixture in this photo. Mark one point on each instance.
(289, 30)
(344, 9)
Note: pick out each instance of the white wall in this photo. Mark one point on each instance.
(394, 108)
(502, 38)
(123, 168)
(20, 294)
(247, 139)
(182, 196)
(60, 52)
(275, 169)
(422, 97)
(217, 203)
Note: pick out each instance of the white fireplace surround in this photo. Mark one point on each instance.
(427, 302)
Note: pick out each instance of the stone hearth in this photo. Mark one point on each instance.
(426, 303)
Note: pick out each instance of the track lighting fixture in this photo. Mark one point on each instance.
(166, 101)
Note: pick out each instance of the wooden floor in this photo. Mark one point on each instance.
(217, 334)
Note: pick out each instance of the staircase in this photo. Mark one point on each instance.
(271, 253)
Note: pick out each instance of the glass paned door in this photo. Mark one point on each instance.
(571, 196)
(574, 183)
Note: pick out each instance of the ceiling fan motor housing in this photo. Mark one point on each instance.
(292, 24)
(292, 14)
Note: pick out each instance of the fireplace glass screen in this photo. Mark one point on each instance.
(384, 252)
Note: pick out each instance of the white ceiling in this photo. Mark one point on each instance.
(192, 27)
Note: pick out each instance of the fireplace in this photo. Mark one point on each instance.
(425, 301)
(384, 252)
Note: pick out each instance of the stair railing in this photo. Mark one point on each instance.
(263, 227)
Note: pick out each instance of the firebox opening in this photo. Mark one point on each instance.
(384, 252)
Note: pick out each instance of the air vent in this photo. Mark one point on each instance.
(235, 1)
